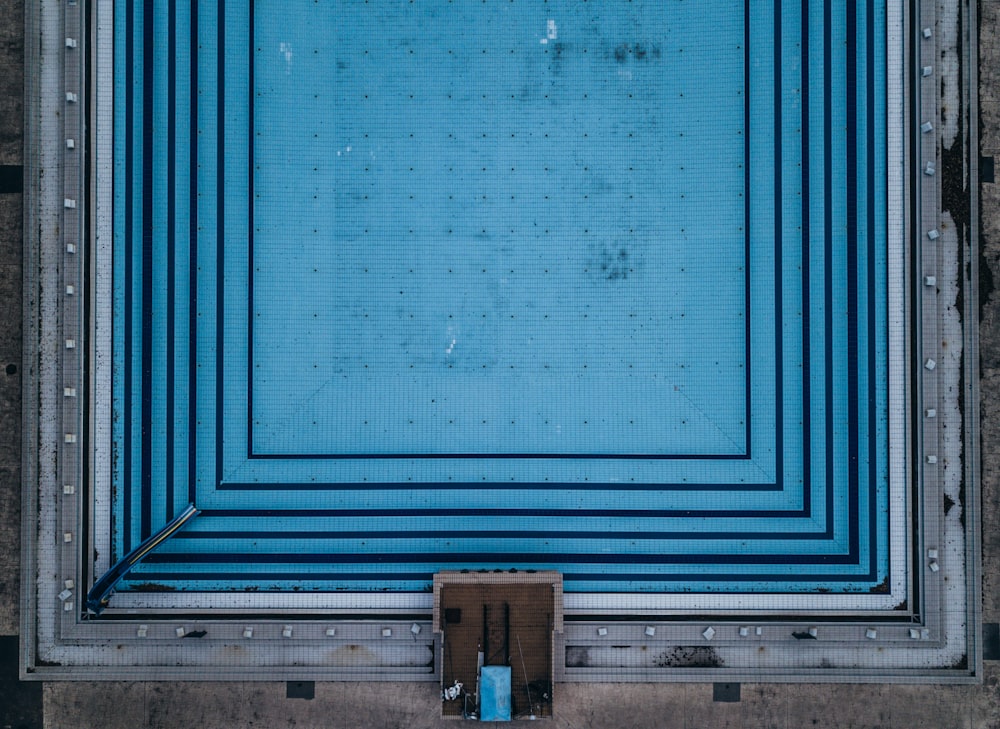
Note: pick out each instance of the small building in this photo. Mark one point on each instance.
(499, 633)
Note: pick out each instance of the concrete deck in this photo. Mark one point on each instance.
(150, 704)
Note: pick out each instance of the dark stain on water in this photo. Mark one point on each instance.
(612, 262)
(555, 52)
(617, 266)
(638, 51)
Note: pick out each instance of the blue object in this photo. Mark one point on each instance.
(494, 693)
(612, 304)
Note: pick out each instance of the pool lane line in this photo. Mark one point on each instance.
(192, 388)
(129, 234)
(563, 558)
(171, 247)
(220, 223)
(146, 223)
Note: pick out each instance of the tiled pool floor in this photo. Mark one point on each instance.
(501, 287)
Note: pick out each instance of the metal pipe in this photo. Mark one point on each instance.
(97, 598)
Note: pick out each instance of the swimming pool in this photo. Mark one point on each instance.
(775, 481)
(502, 286)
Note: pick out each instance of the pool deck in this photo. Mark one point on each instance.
(161, 704)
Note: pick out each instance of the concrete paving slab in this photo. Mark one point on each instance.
(10, 414)
(199, 704)
(406, 705)
(990, 355)
(11, 81)
(10, 241)
(212, 705)
(764, 705)
(636, 706)
(110, 705)
(833, 706)
(930, 707)
(990, 231)
(10, 404)
(990, 142)
(218, 705)
(991, 424)
(984, 705)
(989, 333)
(10, 329)
(10, 575)
(703, 710)
(990, 472)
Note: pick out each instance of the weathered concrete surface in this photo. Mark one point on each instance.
(20, 704)
(11, 134)
(989, 338)
(578, 706)
(10, 451)
(11, 81)
(10, 412)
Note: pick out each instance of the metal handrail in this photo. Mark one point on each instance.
(100, 593)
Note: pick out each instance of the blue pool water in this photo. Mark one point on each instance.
(410, 286)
